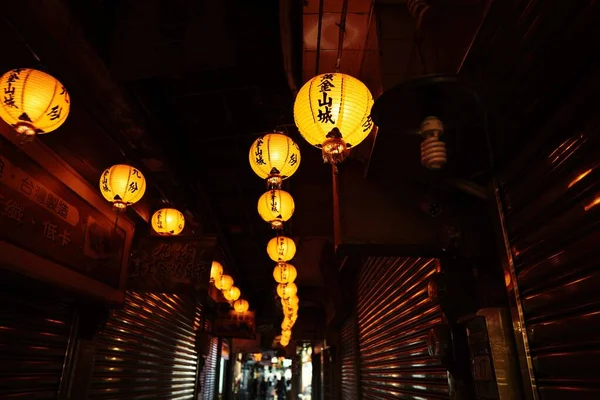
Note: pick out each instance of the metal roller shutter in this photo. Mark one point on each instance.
(394, 318)
(349, 375)
(34, 338)
(209, 373)
(552, 205)
(146, 350)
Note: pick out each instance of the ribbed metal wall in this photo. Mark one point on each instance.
(552, 206)
(146, 350)
(34, 337)
(208, 378)
(348, 360)
(394, 318)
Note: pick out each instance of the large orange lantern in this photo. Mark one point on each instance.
(281, 249)
(333, 112)
(168, 222)
(34, 102)
(122, 185)
(274, 157)
(286, 290)
(275, 207)
(284, 273)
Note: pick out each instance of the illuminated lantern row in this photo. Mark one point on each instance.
(33, 101)
(333, 112)
(274, 157)
(225, 283)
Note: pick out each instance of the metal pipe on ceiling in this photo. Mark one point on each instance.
(342, 34)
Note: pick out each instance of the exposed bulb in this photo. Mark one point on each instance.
(433, 150)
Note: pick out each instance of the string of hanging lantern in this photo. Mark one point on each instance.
(275, 157)
(225, 284)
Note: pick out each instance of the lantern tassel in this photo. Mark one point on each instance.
(334, 147)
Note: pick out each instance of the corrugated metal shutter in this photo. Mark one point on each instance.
(327, 374)
(394, 318)
(349, 360)
(34, 337)
(552, 206)
(209, 373)
(147, 350)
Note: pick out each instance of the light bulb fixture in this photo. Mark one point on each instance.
(433, 149)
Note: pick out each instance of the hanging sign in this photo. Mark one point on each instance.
(235, 325)
(42, 214)
(171, 264)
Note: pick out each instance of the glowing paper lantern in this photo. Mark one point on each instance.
(241, 306)
(281, 248)
(216, 270)
(284, 342)
(225, 282)
(333, 112)
(232, 294)
(286, 333)
(274, 157)
(122, 185)
(290, 301)
(286, 290)
(287, 325)
(275, 207)
(168, 222)
(34, 102)
(284, 273)
(288, 321)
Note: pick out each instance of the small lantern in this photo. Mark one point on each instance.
(287, 325)
(333, 112)
(122, 185)
(288, 322)
(275, 207)
(225, 282)
(290, 301)
(274, 157)
(285, 290)
(284, 273)
(257, 357)
(34, 102)
(284, 342)
(241, 306)
(168, 222)
(216, 270)
(286, 333)
(281, 248)
(232, 294)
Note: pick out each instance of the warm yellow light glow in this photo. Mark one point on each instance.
(286, 333)
(232, 294)
(34, 102)
(257, 357)
(274, 157)
(168, 222)
(289, 321)
(276, 207)
(284, 342)
(290, 301)
(287, 325)
(241, 306)
(281, 248)
(285, 290)
(216, 270)
(122, 185)
(284, 273)
(225, 282)
(333, 112)
(290, 311)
